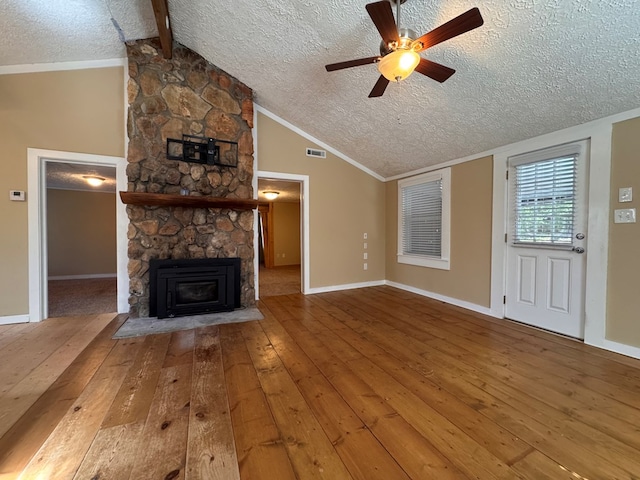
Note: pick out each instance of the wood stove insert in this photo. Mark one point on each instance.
(193, 286)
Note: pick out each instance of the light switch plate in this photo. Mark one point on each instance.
(625, 194)
(624, 215)
(17, 195)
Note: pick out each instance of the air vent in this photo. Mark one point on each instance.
(314, 152)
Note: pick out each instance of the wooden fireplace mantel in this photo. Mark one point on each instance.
(168, 200)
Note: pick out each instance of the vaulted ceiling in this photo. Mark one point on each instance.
(533, 67)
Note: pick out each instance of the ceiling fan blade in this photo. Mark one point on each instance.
(379, 87)
(461, 24)
(434, 70)
(351, 63)
(382, 17)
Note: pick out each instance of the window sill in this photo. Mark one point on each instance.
(430, 262)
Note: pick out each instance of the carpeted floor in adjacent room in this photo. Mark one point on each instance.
(283, 280)
(86, 296)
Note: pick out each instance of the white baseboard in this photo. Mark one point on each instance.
(9, 319)
(443, 298)
(83, 277)
(621, 348)
(348, 286)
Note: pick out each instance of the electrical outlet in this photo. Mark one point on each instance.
(365, 245)
(365, 256)
(365, 266)
(624, 215)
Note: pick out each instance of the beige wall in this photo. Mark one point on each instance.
(286, 233)
(623, 319)
(82, 111)
(77, 111)
(81, 232)
(344, 203)
(469, 278)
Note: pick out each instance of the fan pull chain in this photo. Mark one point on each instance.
(400, 92)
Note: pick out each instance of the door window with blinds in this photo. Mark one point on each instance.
(424, 219)
(543, 186)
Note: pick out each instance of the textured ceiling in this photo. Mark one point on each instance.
(535, 66)
(288, 191)
(70, 176)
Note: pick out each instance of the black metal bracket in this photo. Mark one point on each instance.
(210, 151)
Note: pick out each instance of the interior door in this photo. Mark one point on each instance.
(546, 255)
(266, 223)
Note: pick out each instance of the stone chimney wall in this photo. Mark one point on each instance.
(169, 98)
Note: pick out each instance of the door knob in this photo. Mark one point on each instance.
(578, 249)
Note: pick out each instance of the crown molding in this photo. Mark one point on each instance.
(59, 66)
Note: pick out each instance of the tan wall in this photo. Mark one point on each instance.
(469, 278)
(623, 319)
(286, 233)
(344, 203)
(77, 111)
(81, 232)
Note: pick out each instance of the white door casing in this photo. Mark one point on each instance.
(36, 160)
(304, 226)
(545, 284)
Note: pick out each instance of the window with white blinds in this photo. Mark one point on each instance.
(423, 220)
(545, 201)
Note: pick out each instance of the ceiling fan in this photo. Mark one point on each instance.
(399, 50)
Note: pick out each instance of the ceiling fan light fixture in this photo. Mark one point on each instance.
(399, 64)
(271, 195)
(94, 180)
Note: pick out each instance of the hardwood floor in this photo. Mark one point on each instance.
(373, 383)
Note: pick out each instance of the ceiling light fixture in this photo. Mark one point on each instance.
(399, 64)
(94, 180)
(271, 195)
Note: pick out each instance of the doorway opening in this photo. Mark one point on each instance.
(80, 238)
(281, 254)
(81, 165)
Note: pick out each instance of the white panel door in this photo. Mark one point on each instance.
(546, 240)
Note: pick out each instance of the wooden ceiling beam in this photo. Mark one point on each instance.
(161, 11)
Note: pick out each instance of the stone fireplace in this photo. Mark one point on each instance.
(169, 98)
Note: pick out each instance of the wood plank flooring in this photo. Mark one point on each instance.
(372, 383)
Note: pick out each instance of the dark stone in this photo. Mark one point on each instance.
(150, 83)
(147, 128)
(153, 105)
(221, 125)
(183, 215)
(170, 228)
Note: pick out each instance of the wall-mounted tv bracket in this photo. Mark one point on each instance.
(203, 150)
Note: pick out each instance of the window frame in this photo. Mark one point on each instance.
(443, 262)
(575, 150)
